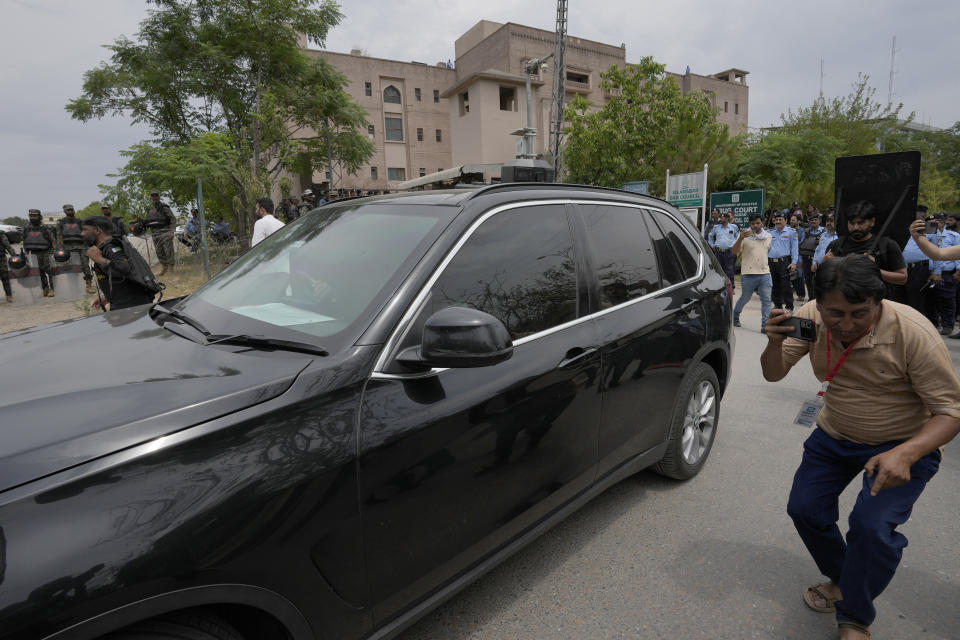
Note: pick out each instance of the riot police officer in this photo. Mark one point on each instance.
(5, 249)
(106, 210)
(308, 204)
(70, 230)
(112, 266)
(40, 241)
(161, 221)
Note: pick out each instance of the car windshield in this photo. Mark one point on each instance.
(321, 274)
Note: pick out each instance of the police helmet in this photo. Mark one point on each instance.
(18, 264)
(61, 255)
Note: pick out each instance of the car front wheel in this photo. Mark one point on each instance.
(693, 425)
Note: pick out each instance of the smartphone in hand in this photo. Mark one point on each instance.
(930, 227)
(803, 328)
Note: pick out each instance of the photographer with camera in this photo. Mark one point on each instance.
(889, 400)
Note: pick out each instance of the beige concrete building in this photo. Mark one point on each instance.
(427, 118)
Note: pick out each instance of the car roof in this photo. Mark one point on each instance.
(507, 191)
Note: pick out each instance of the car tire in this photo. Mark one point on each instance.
(693, 426)
(180, 625)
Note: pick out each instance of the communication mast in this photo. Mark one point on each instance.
(893, 55)
(559, 90)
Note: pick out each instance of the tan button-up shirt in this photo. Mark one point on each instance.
(894, 379)
(753, 254)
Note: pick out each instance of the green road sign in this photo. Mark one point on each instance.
(740, 203)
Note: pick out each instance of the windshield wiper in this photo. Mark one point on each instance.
(179, 315)
(264, 341)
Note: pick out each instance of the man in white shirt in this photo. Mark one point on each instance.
(267, 224)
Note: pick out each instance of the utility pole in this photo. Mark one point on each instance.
(557, 102)
(893, 55)
(821, 78)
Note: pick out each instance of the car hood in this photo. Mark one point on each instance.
(80, 389)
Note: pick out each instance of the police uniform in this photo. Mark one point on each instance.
(722, 238)
(40, 241)
(783, 253)
(70, 230)
(120, 291)
(5, 249)
(807, 248)
(944, 293)
(161, 222)
(797, 278)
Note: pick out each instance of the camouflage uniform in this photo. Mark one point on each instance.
(5, 249)
(162, 230)
(43, 254)
(75, 243)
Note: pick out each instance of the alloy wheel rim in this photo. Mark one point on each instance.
(699, 423)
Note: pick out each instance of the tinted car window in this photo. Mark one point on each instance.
(319, 275)
(518, 266)
(623, 257)
(681, 249)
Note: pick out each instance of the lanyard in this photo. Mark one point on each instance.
(843, 358)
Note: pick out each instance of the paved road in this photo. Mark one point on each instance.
(715, 557)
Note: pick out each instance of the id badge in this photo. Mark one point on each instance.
(809, 411)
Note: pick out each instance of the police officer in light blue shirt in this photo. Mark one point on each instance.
(782, 257)
(829, 235)
(722, 237)
(942, 277)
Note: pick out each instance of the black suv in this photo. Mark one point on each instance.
(363, 413)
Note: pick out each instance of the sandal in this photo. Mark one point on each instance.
(853, 625)
(813, 592)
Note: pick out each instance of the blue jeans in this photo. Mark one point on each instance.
(762, 284)
(864, 564)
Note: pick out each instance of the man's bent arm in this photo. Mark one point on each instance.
(771, 361)
(894, 277)
(892, 468)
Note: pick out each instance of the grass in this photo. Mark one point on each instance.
(188, 273)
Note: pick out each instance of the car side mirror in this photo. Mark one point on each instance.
(459, 337)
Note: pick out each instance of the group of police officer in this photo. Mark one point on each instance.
(67, 238)
(799, 244)
(292, 207)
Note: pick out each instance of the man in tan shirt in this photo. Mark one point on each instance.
(890, 400)
(754, 245)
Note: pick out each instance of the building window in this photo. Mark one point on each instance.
(326, 175)
(725, 106)
(367, 89)
(439, 169)
(436, 95)
(439, 136)
(370, 130)
(508, 98)
(464, 103)
(581, 78)
(419, 134)
(416, 93)
(423, 171)
(391, 94)
(396, 173)
(736, 108)
(394, 129)
(373, 173)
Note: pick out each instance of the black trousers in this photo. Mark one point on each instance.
(945, 300)
(782, 295)
(808, 276)
(918, 291)
(727, 263)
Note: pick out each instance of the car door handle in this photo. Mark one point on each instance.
(575, 355)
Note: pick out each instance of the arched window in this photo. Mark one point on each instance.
(391, 94)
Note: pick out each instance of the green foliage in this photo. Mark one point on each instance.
(940, 166)
(229, 96)
(16, 221)
(92, 209)
(646, 127)
(796, 161)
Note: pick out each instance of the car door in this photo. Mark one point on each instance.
(458, 462)
(644, 310)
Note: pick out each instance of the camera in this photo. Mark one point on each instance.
(803, 328)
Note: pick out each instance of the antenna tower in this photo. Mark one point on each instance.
(893, 55)
(559, 90)
(821, 78)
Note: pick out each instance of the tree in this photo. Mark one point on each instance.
(16, 221)
(796, 160)
(92, 209)
(235, 69)
(939, 167)
(645, 127)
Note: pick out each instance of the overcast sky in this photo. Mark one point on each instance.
(48, 159)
